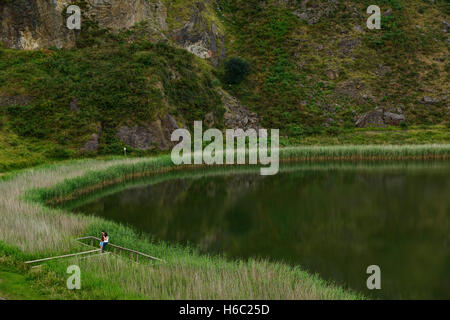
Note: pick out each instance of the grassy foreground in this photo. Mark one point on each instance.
(29, 229)
(14, 285)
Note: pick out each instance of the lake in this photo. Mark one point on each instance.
(333, 219)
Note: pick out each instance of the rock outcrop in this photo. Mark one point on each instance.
(155, 135)
(312, 11)
(20, 100)
(200, 36)
(332, 74)
(372, 118)
(94, 141)
(379, 118)
(355, 89)
(433, 100)
(118, 14)
(347, 45)
(35, 24)
(92, 144)
(393, 119)
(236, 115)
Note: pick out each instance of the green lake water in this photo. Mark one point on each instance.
(333, 219)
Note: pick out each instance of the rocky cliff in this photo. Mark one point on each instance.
(35, 24)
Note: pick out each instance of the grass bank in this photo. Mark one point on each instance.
(20, 152)
(186, 273)
(14, 285)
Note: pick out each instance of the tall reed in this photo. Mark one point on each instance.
(37, 230)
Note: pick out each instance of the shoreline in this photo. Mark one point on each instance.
(71, 180)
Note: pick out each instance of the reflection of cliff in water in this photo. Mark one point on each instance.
(195, 197)
(334, 222)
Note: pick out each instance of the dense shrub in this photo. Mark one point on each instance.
(236, 70)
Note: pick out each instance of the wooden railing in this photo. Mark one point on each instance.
(61, 257)
(118, 249)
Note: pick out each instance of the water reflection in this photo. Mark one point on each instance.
(331, 219)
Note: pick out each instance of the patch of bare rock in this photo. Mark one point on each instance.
(380, 118)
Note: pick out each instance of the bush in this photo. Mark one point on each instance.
(236, 70)
(144, 57)
(59, 153)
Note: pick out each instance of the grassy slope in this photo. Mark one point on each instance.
(288, 84)
(124, 79)
(381, 136)
(14, 285)
(114, 82)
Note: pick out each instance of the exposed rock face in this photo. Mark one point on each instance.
(388, 13)
(393, 119)
(358, 28)
(201, 37)
(20, 100)
(433, 100)
(446, 26)
(155, 135)
(311, 11)
(33, 24)
(383, 70)
(92, 144)
(120, 14)
(332, 74)
(371, 119)
(379, 118)
(355, 89)
(236, 115)
(348, 45)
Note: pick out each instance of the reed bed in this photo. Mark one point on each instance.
(33, 227)
(37, 230)
(71, 189)
(204, 278)
(367, 152)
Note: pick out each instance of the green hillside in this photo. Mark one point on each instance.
(71, 94)
(315, 69)
(306, 77)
